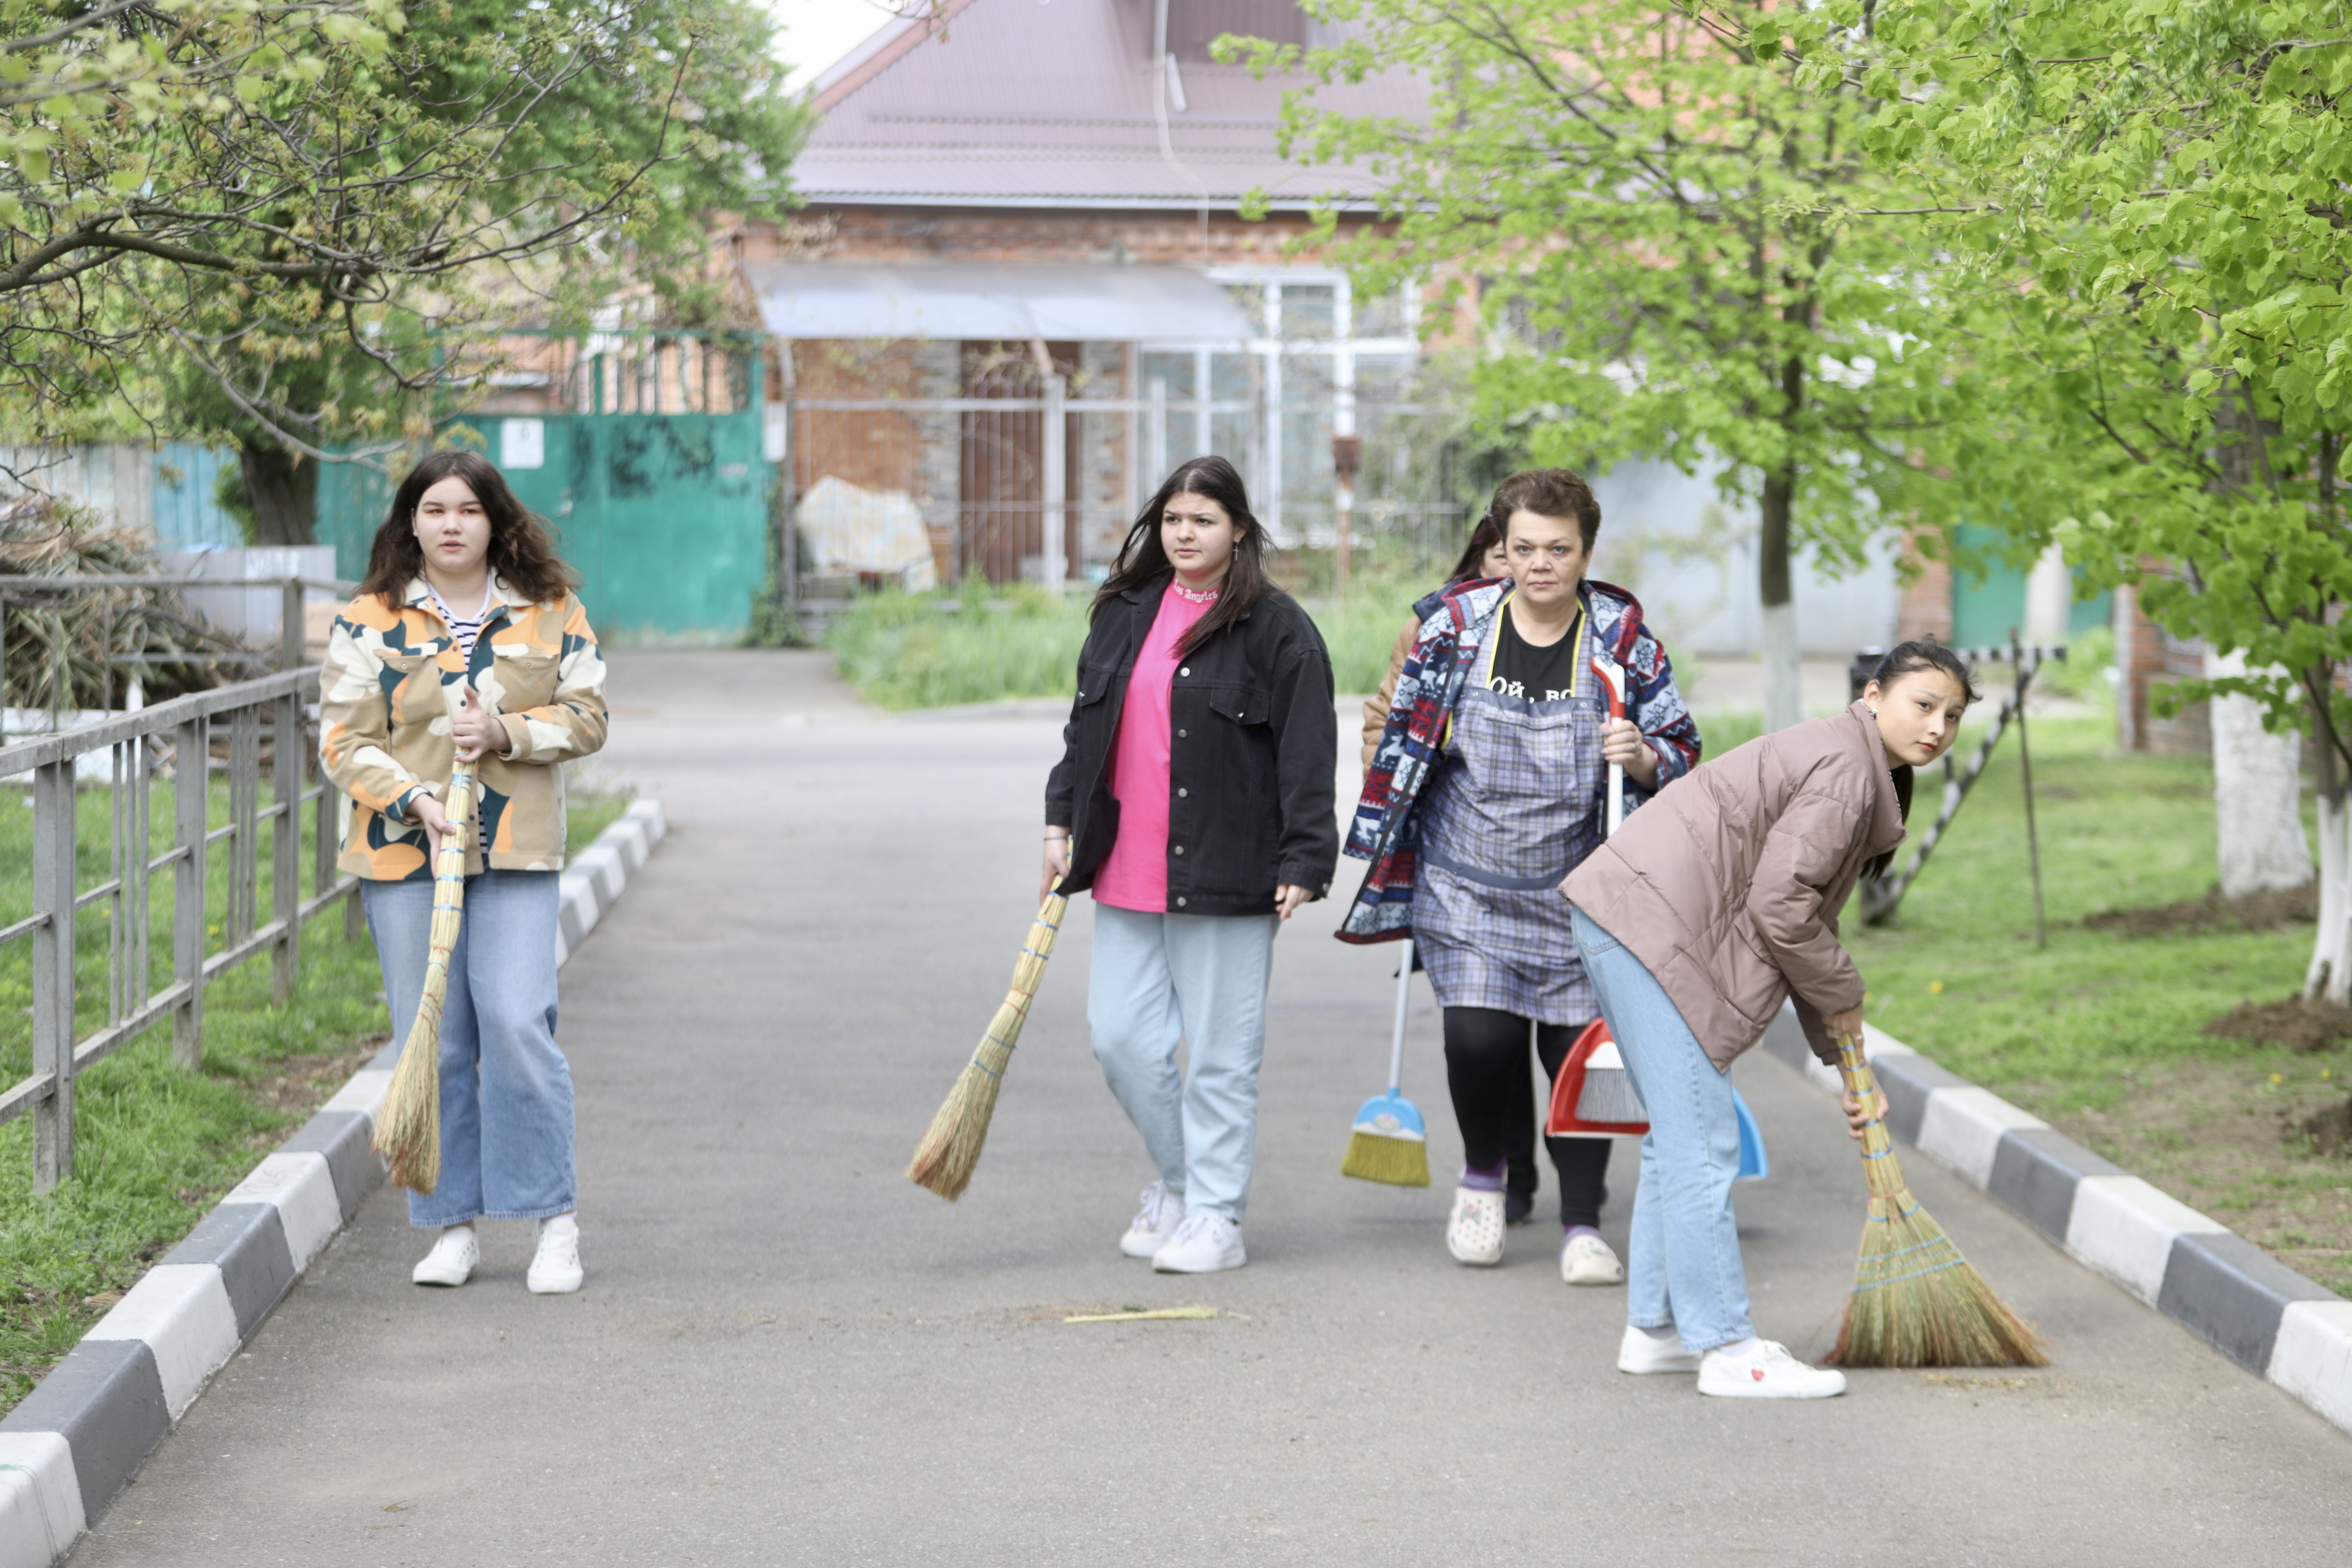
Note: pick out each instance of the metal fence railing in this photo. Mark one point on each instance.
(239, 732)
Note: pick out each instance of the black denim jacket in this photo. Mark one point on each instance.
(1253, 748)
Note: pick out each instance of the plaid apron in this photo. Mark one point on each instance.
(1515, 809)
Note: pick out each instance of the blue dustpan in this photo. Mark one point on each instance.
(1754, 1166)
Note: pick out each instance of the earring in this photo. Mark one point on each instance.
(1873, 712)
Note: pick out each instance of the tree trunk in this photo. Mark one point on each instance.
(2330, 972)
(2257, 794)
(282, 490)
(1784, 692)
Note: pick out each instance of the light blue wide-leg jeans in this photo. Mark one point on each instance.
(1683, 1264)
(506, 1090)
(1202, 979)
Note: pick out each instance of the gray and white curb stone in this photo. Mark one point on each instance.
(78, 1438)
(2195, 1270)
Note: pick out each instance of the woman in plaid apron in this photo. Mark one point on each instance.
(1485, 793)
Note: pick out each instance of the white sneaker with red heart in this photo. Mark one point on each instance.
(1767, 1371)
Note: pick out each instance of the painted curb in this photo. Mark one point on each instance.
(78, 1440)
(2195, 1270)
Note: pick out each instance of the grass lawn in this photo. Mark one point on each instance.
(155, 1147)
(2101, 1033)
(932, 650)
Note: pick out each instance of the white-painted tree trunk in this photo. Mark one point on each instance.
(2048, 599)
(1784, 683)
(2257, 794)
(2330, 974)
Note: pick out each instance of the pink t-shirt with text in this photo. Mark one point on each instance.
(1135, 875)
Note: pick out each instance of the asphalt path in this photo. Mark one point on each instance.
(786, 1353)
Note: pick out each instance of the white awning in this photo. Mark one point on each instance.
(993, 303)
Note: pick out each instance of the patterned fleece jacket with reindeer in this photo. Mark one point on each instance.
(393, 681)
(1387, 827)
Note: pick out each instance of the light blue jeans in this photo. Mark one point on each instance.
(1200, 978)
(1683, 1268)
(506, 1090)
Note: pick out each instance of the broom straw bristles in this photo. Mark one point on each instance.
(408, 1129)
(1916, 1301)
(950, 1151)
(1398, 1162)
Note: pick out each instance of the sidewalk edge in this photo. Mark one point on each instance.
(78, 1438)
(2219, 1286)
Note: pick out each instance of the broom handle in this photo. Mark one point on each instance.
(1878, 1162)
(1396, 1036)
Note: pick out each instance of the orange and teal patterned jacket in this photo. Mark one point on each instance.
(392, 682)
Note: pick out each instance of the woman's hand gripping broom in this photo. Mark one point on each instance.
(408, 1131)
(945, 1159)
(1915, 1301)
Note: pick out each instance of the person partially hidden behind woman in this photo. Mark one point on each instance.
(1487, 789)
(1194, 799)
(1718, 902)
(465, 640)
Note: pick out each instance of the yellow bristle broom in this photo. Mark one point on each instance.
(408, 1131)
(1915, 1301)
(945, 1159)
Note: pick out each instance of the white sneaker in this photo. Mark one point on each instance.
(1154, 1226)
(453, 1258)
(555, 1270)
(1475, 1232)
(1203, 1243)
(1768, 1372)
(1586, 1260)
(1641, 1353)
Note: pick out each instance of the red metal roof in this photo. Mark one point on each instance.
(1053, 103)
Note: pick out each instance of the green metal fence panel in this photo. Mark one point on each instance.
(1985, 608)
(664, 516)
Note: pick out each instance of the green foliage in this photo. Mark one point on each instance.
(1660, 206)
(2144, 200)
(1957, 974)
(155, 1147)
(1360, 630)
(932, 650)
(295, 217)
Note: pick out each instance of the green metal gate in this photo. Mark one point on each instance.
(664, 514)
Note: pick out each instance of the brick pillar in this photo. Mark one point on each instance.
(1926, 608)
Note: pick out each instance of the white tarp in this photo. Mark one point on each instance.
(994, 303)
(851, 529)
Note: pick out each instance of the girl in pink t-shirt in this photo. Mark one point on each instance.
(1193, 798)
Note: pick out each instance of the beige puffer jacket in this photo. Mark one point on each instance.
(1728, 885)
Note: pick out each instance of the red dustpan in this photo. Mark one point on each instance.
(1592, 1097)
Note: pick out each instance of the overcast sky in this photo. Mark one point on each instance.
(815, 32)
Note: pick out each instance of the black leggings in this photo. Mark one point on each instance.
(1494, 1105)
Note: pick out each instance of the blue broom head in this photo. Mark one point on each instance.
(1392, 1115)
(1388, 1144)
(1754, 1166)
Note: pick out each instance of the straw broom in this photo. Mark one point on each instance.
(1915, 1301)
(944, 1160)
(408, 1129)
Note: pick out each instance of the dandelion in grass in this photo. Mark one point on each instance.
(1935, 988)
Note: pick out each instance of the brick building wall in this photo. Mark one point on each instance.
(1926, 609)
(954, 233)
(2147, 656)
